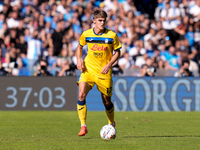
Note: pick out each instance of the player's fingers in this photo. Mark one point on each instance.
(80, 68)
(104, 72)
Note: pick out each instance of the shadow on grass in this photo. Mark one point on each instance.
(161, 136)
(87, 138)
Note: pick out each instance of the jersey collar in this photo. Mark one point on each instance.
(101, 33)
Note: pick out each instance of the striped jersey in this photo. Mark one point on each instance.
(100, 50)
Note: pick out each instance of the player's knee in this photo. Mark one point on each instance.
(107, 104)
(81, 96)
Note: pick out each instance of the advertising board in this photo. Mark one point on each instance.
(151, 94)
(38, 93)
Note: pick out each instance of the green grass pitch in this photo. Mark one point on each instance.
(58, 130)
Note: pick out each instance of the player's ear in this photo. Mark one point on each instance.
(94, 21)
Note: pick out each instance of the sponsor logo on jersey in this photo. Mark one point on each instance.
(96, 47)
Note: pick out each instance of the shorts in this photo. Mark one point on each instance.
(103, 85)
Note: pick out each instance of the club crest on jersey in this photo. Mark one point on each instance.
(96, 47)
(106, 41)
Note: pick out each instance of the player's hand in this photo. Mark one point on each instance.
(105, 69)
(80, 65)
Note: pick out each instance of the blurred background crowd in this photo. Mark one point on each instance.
(159, 37)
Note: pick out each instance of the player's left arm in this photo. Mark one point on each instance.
(114, 58)
(116, 47)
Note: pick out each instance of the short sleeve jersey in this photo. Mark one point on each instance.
(100, 50)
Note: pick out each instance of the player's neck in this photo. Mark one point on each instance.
(98, 31)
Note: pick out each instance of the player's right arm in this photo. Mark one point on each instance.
(80, 65)
(79, 50)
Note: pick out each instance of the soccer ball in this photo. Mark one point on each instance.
(108, 132)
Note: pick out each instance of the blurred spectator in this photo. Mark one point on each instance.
(34, 50)
(158, 9)
(82, 3)
(184, 70)
(20, 29)
(197, 33)
(173, 60)
(190, 35)
(12, 61)
(140, 60)
(152, 66)
(124, 38)
(137, 50)
(184, 7)
(149, 38)
(36, 20)
(180, 30)
(54, 22)
(3, 72)
(149, 62)
(147, 71)
(51, 59)
(143, 70)
(191, 50)
(63, 56)
(151, 71)
(27, 35)
(41, 22)
(61, 7)
(53, 6)
(175, 14)
(2, 18)
(67, 69)
(42, 69)
(27, 12)
(45, 26)
(22, 46)
(13, 37)
(164, 38)
(48, 28)
(56, 41)
(165, 18)
(195, 10)
(65, 62)
(125, 62)
(3, 30)
(160, 64)
(13, 21)
(6, 10)
(2, 58)
(13, 56)
(45, 38)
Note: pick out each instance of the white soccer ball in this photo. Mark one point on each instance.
(108, 132)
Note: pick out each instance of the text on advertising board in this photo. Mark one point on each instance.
(156, 94)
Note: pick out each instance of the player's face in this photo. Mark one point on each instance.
(100, 23)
